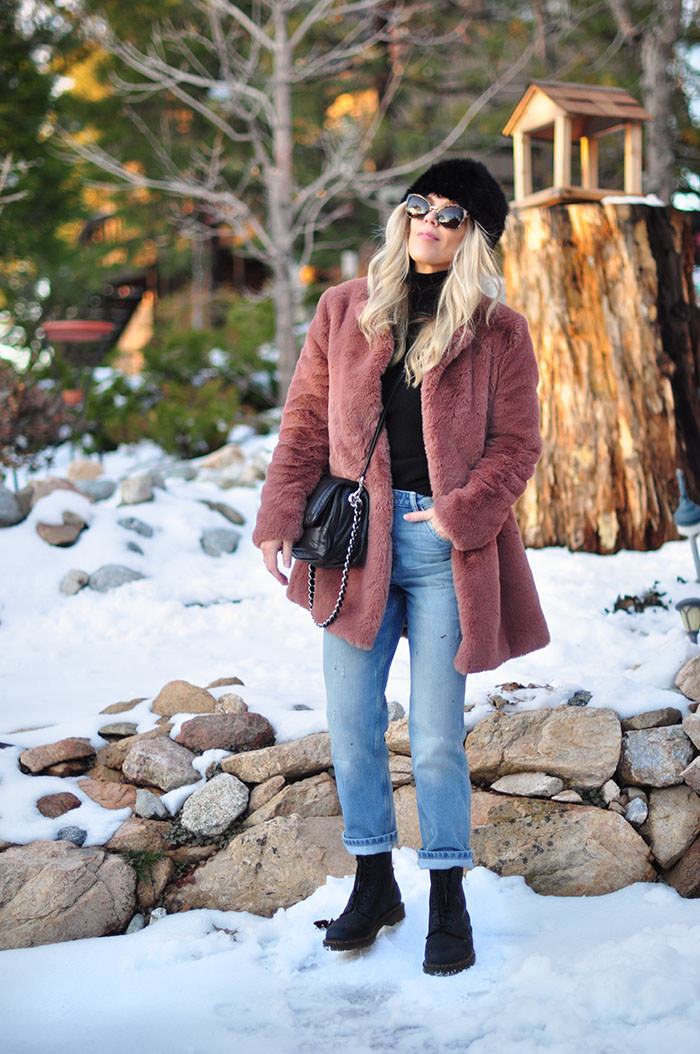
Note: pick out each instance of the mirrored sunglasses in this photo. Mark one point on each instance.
(449, 216)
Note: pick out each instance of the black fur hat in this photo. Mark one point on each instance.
(472, 186)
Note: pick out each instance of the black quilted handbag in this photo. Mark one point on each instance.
(336, 521)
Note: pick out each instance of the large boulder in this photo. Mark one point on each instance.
(234, 732)
(579, 745)
(181, 697)
(562, 850)
(11, 512)
(36, 759)
(160, 763)
(655, 757)
(685, 875)
(315, 796)
(55, 891)
(272, 865)
(301, 757)
(215, 806)
(673, 822)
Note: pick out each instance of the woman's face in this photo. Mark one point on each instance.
(430, 246)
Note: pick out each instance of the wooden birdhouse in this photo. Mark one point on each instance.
(574, 113)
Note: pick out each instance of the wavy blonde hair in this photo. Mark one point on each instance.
(470, 272)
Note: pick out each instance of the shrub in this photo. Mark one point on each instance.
(33, 420)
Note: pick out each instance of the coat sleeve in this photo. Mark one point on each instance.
(474, 514)
(301, 454)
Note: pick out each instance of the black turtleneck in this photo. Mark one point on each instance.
(404, 425)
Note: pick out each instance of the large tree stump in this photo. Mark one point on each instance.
(607, 290)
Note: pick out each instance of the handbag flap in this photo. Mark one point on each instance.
(324, 492)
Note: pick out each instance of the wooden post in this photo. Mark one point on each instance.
(633, 159)
(522, 164)
(562, 150)
(589, 162)
(611, 309)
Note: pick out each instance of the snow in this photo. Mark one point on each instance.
(599, 975)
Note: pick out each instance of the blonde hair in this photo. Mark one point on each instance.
(472, 269)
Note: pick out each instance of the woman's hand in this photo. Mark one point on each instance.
(270, 550)
(427, 514)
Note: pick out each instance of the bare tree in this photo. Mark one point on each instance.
(654, 33)
(237, 68)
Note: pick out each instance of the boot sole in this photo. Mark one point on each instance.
(389, 919)
(447, 969)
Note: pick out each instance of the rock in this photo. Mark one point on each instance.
(156, 915)
(301, 757)
(579, 698)
(181, 471)
(98, 771)
(571, 796)
(62, 535)
(54, 891)
(400, 769)
(532, 784)
(637, 812)
(96, 489)
(148, 805)
(691, 727)
(53, 805)
(118, 729)
(688, 678)
(225, 682)
(191, 855)
(139, 835)
(10, 509)
(232, 515)
(152, 882)
(113, 754)
(563, 850)
(637, 792)
(396, 711)
(685, 876)
(136, 490)
(227, 455)
(662, 718)
(82, 469)
(160, 762)
(253, 472)
(396, 737)
(230, 703)
(215, 806)
(111, 576)
(406, 810)
(74, 581)
(215, 541)
(36, 759)
(655, 757)
(580, 745)
(132, 523)
(121, 708)
(673, 823)
(691, 775)
(108, 794)
(76, 835)
(610, 791)
(181, 697)
(133, 547)
(272, 865)
(137, 923)
(235, 732)
(261, 794)
(68, 768)
(42, 487)
(314, 796)
(616, 806)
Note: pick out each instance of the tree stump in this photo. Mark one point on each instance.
(607, 291)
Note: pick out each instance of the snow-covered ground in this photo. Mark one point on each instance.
(603, 975)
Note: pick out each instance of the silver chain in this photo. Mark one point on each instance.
(355, 500)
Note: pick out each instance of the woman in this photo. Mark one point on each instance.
(444, 560)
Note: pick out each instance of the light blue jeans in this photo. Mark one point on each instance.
(422, 597)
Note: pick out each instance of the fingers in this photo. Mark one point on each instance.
(270, 550)
(418, 515)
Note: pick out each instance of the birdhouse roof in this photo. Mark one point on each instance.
(594, 109)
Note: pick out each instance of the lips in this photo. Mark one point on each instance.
(428, 236)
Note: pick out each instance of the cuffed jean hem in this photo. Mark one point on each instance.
(443, 861)
(370, 846)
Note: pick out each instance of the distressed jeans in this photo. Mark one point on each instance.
(422, 597)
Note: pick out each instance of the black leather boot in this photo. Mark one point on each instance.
(375, 901)
(449, 947)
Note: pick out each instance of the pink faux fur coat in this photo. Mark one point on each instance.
(481, 430)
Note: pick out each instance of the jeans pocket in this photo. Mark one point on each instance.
(434, 533)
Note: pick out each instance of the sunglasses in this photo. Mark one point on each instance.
(449, 216)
